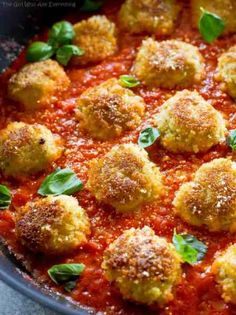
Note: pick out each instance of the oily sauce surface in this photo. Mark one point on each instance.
(197, 294)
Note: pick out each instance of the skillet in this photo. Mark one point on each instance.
(22, 24)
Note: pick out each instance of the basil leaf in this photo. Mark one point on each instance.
(69, 286)
(231, 139)
(38, 51)
(211, 26)
(200, 247)
(91, 6)
(129, 81)
(148, 136)
(61, 181)
(5, 197)
(65, 272)
(190, 249)
(65, 53)
(61, 33)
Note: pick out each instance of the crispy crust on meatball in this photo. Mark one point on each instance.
(27, 149)
(226, 9)
(168, 64)
(224, 269)
(226, 71)
(35, 85)
(125, 178)
(150, 16)
(210, 199)
(53, 225)
(97, 37)
(143, 266)
(108, 109)
(188, 123)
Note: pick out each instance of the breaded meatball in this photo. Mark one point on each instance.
(168, 64)
(210, 199)
(226, 9)
(150, 16)
(224, 268)
(27, 149)
(52, 225)
(144, 267)
(125, 178)
(226, 71)
(36, 84)
(97, 37)
(109, 109)
(187, 123)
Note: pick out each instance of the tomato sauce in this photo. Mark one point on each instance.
(197, 293)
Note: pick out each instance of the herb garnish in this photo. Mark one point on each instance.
(66, 274)
(91, 6)
(231, 139)
(59, 44)
(148, 136)
(129, 81)
(62, 181)
(211, 26)
(5, 197)
(190, 249)
(65, 53)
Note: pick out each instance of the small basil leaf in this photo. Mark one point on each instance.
(129, 81)
(148, 136)
(91, 6)
(38, 51)
(200, 247)
(65, 53)
(231, 140)
(190, 249)
(61, 33)
(61, 181)
(65, 272)
(211, 26)
(5, 197)
(69, 286)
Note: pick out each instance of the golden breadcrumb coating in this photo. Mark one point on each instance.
(210, 199)
(226, 71)
(53, 225)
(224, 268)
(168, 64)
(187, 123)
(150, 16)
(109, 109)
(144, 267)
(27, 149)
(226, 9)
(35, 85)
(125, 178)
(97, 37)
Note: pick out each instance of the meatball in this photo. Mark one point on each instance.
(226, 71)
(108, 109)
(36, 84)
(187, 123)
(52, 225)
(224, 8)
(125, 178)
(27, 149)
(97, 37)
(144, 267)
(224, 268)
(168, 64)
(210, 199)
(150, 16)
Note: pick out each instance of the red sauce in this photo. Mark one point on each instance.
(197, 294)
